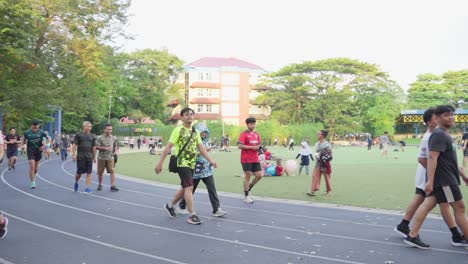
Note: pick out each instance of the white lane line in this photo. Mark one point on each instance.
(112, 246)
(178, 231)
(4, 261)
(268, 211)
(257, 224)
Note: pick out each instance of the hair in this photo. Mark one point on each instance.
(385, 132)
(427, 116)
(444, 109)
(87, 123)
(11, 128)
(34, 122)
(278, 161)
(250, 120)
(185, 110)
(107, 125)
(324, 133)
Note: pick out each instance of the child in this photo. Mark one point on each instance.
(279, 168)
(267, 154)
(264, 164)
(304, 153)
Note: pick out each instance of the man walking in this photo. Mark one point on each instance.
(429, 119)
(249, 143)
(105, 145)
(84, 153)
(186, 140)
(384, 142)
(35, 143)
(12, 140)
(443, 178)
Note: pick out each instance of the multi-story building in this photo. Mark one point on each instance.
(222, 89)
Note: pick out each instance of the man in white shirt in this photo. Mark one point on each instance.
(429, 118)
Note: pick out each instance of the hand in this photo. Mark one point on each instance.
(42, 148)
(94, 160)
(74, 157)
(429, 188)
(109, 148)
(255, 147)
(213, 163)
(158, 168)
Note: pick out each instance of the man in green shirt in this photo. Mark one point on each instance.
(35, 139)
(185, 163)
(105, 145)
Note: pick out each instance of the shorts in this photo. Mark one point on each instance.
(447, 194)
(11, 153)
(252, 167)
(34, 154)
(84, 166)
(105, 164)
(465, 152)
(420, 192)
(186, 176)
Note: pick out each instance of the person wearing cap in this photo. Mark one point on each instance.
(249, 144)
(34, 140)
(204, 171)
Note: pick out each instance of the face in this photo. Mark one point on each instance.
(188, 117)
(251, 126)
(108, 130)
(87, 128)
(12, 131)
(203, 134)
(34, 128)
(319, 135)
(446, 119)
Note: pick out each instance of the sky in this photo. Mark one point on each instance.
(403, 37)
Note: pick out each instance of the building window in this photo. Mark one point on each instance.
(209, 92)
(204, 76)
(199, 108)
(208, 108)
(199, 92)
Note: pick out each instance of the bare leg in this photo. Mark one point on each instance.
(413, 206)
(421, 214)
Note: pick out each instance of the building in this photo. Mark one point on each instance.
(222, 89)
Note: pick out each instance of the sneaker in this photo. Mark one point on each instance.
(311, 193)
(248, 199)
(402, 230)
(4, 228)
(181, 210)
(170, 210)
(13, 167)
(33, 185)
(87, 190)
(194, 220)
(75, 187)
(9, 168)
(416, 242)
(99, 187)
(459, 241)
(114, 189)
(219, 213)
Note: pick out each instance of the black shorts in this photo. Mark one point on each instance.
(186, 176)
(34, 154)
(252, 167)
(447, 194)
(465, 152)
(84, 166)
(11, 153)
(420, 192)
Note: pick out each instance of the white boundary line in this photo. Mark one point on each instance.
(4, 261)
(112, 246)
(262, 225)
(178, 231)
(260, 210)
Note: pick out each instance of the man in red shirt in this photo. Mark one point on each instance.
(249, 143)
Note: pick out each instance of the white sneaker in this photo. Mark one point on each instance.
(182, 211)
(248, 199)
(219, 213)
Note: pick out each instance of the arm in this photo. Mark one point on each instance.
(205, 154)
(242, 146)
(311, 156)
(465, 144)
(298, 155)
(431, 168)
(73, 152)
(94, 153)
(423, 162)
(166, 150)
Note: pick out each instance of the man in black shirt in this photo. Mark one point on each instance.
(12, 140)
(443, 178)
(84, 153)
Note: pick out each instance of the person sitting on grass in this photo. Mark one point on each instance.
(264, 164)
(280, 171)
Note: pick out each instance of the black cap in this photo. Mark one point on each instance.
(250, 120)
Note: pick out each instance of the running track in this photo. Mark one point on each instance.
(52, 224)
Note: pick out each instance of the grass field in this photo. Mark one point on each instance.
(359, 178)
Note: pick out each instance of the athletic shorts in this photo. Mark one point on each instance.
(84, 166)
(105, 164)
(186, 176)
(420, 192)
(11, 153)
(252, 167)
(34, 154)
(447, 194)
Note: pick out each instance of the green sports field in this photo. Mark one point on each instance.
(359, 178)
